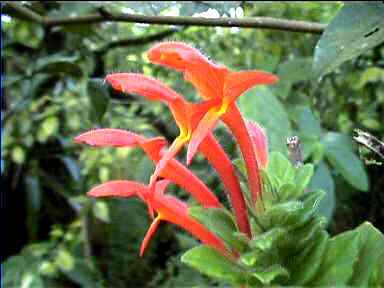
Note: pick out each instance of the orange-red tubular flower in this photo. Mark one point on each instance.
(168, 209)
(174, 170)
(187, 117)
(216, 82)
(183, 112)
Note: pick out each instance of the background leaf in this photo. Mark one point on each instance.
(371, 251)
(338, 150)
(338, 261)
(322, 179)
(262, 106)
(98, 96)
(58, 63)
(356, 28)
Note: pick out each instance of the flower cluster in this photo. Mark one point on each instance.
(219, 87)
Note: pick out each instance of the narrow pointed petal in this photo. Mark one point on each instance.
(176, 55)
(199, 110)
(174, 171)
(171, 153)
(149, 235)
(175, 211)
(179, 174)
(142, 85)
(207, 79)
(205, 75)
(205, 126)
(153, 147)
(161, 186)
(224, 167)
(118, 188)
(236, 83)
(108, 137)
(236, 123)
(260, 142)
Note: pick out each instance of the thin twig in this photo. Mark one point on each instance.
(253, 22)
(26, 13)
(138, 40)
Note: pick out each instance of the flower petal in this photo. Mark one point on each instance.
(149, 235)
(206, 76)
(109, 137)
(176, 55)
(171, 153)
(119, 188)
(161, 186)
(236, 83)
(224, 167)
(236, 123)
(153, 147)
(179, 174)
(175, 211)
(142, 85)
(202, 130)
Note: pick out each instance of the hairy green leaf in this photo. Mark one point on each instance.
(210, 262)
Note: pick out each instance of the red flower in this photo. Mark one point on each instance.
(187, 116)
(168, 209)
(174, 170)
(216, 82)
(220, 87)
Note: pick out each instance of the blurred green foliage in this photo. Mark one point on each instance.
(53, 90)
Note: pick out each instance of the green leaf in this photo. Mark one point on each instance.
(355, 29)
(280, 167)
(143, 170)
(261, 105)
(296, 69)
(303, 177)
(58, 63)
(98, 96)
(306, 264)
(33, 203)
(308, 123)
(220, 222)
(28, 33)
(287, 191)
(338, 151)
(101, 211)
(371, 249)
(210, 262)
(323, 180)
(338, 261)
(72, 166)
(31, 280)
(311, 202)
(65, 260)
(301, 235)
(240, 166)
(371, 74)
(267, 275)
(283, 214)
(34, 193)
(81, 274)
(12, 269)
(267, 240)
